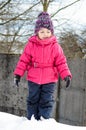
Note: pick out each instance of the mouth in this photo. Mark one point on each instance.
(44, 37)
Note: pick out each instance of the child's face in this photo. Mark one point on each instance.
(44, 33)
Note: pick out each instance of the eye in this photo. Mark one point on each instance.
(48, 31)
(41, 32)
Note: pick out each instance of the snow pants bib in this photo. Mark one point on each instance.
(40, 100)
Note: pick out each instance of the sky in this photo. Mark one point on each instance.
(75, 12)
(71, 18)
(75, 15)
(12, 122)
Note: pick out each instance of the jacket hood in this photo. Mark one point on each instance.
(36, 40)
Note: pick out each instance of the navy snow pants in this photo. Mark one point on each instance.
(40, 100)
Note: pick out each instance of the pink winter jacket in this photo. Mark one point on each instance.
(43, 60)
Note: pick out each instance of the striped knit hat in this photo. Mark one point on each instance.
(44, 21)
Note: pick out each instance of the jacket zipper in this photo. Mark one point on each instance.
(41, 70)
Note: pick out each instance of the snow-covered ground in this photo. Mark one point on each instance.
(12, 122)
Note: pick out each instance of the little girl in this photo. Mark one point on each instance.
(43, 59)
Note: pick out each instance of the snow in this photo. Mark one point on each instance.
(12, 122)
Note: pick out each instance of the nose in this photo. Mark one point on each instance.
(45, 35)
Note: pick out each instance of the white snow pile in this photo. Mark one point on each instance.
(12, 122)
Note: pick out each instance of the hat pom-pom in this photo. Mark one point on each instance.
(43, 14)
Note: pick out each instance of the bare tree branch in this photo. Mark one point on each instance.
(65, 7)
(12, 42)
(41, 1)
(5, 4)
(11, 35)
(14, 18)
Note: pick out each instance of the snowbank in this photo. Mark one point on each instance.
(12, 122)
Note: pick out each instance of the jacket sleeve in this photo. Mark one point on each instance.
(61, 62)
(24, 61)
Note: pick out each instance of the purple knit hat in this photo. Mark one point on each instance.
(44, 21)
